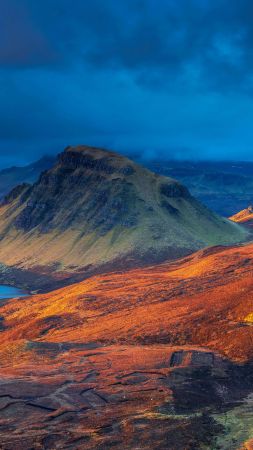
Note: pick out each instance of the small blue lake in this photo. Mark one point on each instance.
(10, 292)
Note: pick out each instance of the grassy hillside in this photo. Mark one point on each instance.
(98, 209)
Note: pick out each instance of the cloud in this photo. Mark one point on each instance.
(157, 77)
(22, 43)
(199, 43)
(205, 43)
(208, 44)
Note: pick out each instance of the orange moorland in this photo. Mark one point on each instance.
(204, 299)
(129, 358)
(244, 217)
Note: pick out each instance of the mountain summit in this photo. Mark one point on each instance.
(95, 208)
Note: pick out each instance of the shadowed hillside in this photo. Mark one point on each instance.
(13, 176)
(98, 209)
(224, 186)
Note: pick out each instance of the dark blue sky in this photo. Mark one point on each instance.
(159, 77)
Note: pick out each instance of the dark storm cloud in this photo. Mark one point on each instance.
(21, 42)
(209, 42)
(167, 77)
(197, 41)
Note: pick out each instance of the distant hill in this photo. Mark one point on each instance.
(244, 217)
(13, 176)
(225, 187)
(97, 209)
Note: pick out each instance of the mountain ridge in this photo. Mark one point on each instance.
(95, 208)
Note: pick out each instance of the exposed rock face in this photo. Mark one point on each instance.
(101, 208)
(96, 208)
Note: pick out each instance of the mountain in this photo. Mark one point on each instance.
(152, 358)
(244, 217)
(95, 210)
(13, 176)
(224, 186)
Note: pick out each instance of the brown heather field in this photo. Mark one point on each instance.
(151, 358)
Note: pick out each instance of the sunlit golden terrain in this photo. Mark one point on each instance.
(151, 355)
(244, 217)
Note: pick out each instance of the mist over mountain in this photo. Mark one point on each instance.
(224, 186)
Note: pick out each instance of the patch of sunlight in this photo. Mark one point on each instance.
(249, 318)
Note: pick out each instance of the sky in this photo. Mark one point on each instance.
(157, 78)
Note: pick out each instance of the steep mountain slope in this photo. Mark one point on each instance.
(98, 209)
(152, 358)
(13, 176)
(244, 217)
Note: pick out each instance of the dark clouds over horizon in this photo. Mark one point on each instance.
(161, 78)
